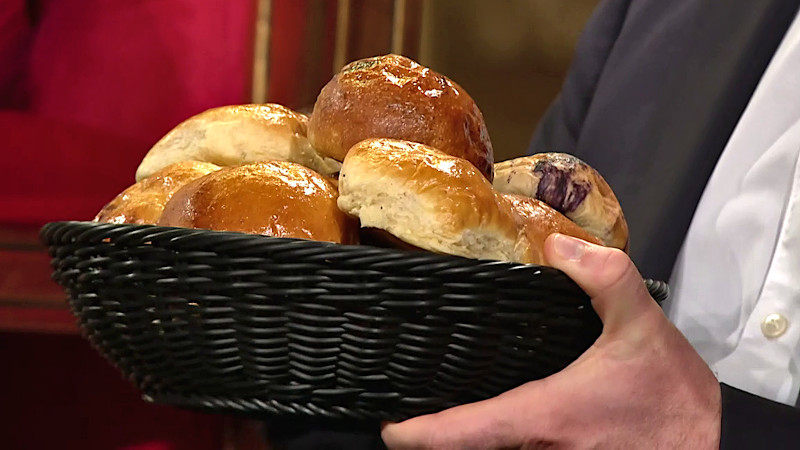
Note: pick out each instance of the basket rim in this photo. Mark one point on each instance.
(658, 289)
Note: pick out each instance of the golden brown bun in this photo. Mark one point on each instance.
(540, 220)
(441, 203)
(570, 186)
(234, 135)
(143, 202)
(393, 97)
(275, 198)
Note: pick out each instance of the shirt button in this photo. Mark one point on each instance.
(774, 325)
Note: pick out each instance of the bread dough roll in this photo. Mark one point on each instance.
(539, 221)
(277, 198)
(570, 186)
(234, 135)
(394, 97)
(143, 202)
(443, 204)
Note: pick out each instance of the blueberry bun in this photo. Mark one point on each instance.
(571, 187)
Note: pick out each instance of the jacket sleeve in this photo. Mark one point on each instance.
(749, 421)
(560, 127)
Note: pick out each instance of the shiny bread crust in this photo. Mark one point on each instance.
(143, 202)
(277, 198)
(235, 135)
(392, 96)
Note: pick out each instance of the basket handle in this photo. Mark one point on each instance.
(659, 290)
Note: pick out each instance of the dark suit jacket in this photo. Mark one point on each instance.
(654, 93)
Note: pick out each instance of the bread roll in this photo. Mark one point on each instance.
(234, 135)
(443, 204)
(280, 199)
(570, 186)
(143, 202)
(539, 221)
(393, 97)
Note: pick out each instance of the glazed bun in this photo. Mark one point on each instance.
(571, 187)
(279, 199)
(234, 135)
(539, 220)
(394, 97)
(143, 202)
(443, 204)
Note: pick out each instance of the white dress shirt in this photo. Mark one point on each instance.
(736, 284)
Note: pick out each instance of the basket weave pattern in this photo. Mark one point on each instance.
(230, 322)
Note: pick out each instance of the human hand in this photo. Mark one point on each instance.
(640, 385)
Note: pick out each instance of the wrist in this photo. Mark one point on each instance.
(706, 424)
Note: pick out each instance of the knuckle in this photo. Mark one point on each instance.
(614, 267)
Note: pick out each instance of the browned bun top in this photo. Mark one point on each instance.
(275, 198)
(143, 202)
(238, 134)
(394, 97)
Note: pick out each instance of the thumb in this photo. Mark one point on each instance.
(608, 276)
(492, 423)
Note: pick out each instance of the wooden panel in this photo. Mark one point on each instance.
(25, 280)
(29, 299)
(511, 56)
(310, 40)
(19, 237)
(410, 34)
(376, 27)
(302, 35)
(369, 28)
(37, 320)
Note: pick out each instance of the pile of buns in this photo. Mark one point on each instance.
(393, 154)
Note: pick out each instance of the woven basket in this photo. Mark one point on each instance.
(237, 323)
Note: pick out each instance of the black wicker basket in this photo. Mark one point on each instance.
(237, 323)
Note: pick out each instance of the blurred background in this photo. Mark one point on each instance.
(87, 86)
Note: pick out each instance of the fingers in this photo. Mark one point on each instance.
(618, 292)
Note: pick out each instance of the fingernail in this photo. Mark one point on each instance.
(568, 248)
